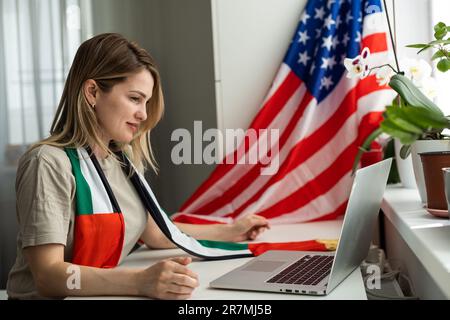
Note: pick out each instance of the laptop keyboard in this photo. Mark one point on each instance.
(309, 270)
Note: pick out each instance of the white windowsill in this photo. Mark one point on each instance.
(428, 237)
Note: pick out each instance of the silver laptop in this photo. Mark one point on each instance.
(318, 273)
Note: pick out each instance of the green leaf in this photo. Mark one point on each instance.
(411, 94)
(417, 45)
(424, 48)
(405, 151)
(439, 26)
(443, 65)
(440, 34)
(395, 131)
(440, 41)
(438, 54)
(396, 115)
(440, 30)
(405, 113)
(426, 118)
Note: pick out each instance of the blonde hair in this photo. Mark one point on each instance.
(108, 59)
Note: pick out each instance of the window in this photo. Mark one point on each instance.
(38, 41)
(440, 11)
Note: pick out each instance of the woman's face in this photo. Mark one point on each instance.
(121, 111)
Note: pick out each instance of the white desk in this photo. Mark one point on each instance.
(417, 242)
(350, 288)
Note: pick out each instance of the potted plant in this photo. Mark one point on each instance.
(412, 116)
(431, 143)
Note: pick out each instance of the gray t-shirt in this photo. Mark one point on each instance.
(45, 188)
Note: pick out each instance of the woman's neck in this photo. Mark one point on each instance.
(99, 153)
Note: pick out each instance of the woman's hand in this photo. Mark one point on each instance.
(248, 228)
(168, 279)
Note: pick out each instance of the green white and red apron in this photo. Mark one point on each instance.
(99, 228)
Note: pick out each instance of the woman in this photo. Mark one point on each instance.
(111, 100)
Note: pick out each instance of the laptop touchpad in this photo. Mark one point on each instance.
(264, 266)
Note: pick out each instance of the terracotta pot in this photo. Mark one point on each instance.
(432, 163)
(421, 146)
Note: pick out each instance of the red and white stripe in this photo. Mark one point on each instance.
(317, 146)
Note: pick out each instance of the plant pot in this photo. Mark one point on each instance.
(421, 146)
(432, 163)
(404, 167)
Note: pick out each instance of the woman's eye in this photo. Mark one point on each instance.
(135, 99)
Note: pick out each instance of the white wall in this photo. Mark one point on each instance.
(251, 39)
(413, 25)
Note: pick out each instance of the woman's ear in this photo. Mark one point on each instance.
(90, 90)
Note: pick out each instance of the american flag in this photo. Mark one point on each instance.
(322, 117)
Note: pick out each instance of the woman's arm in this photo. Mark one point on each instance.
(168, 279)
(246, 228)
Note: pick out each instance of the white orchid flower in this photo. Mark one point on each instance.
(384, 75)
(419, 72)
(416, 69)
(358, 66)
(429, 87)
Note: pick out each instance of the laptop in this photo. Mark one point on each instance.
(318, 273)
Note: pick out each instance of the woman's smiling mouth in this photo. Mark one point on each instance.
(133, 126)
